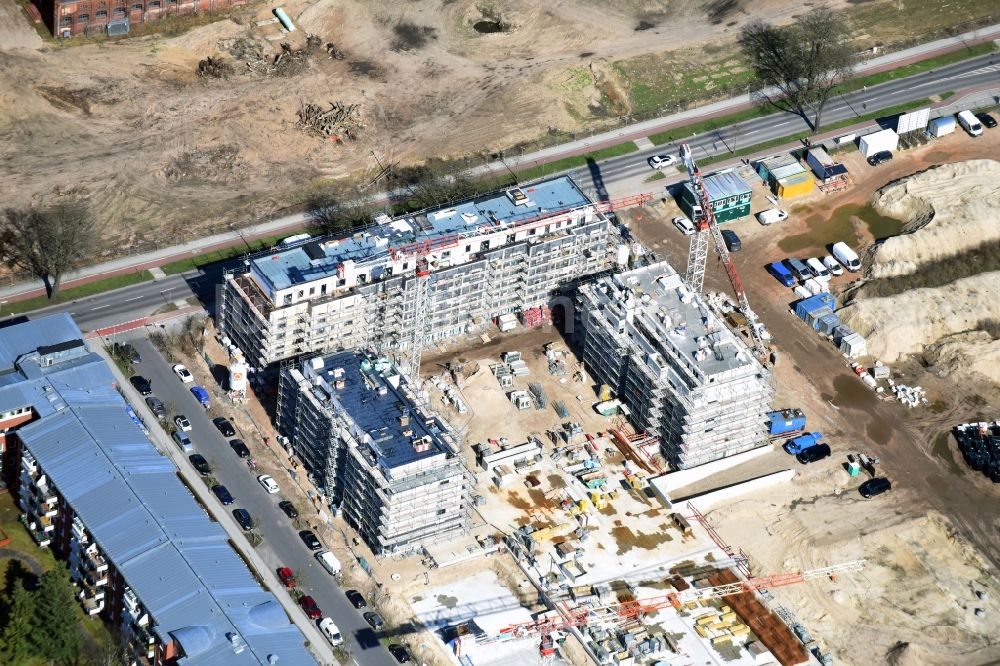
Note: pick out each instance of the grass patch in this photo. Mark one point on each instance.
(918, 67)
(74, 293)
(898, 25)
(982, 259)
(197, 261)
(568, 163)
(659, 175)
(759, 147)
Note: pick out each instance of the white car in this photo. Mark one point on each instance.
(331, 631)
(684, 225)
(182, 423)
(660, 161)
(270, 485)
(832, 265)
(771, 215)
(183, 373)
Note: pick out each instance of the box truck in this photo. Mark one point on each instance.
(877, 142)
(941, 126)
(970, 123)
(847, 257)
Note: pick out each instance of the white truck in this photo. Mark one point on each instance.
(970, 123)
(847, 257)
(329, 562)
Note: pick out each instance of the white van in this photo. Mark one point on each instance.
(329, 562)
(822, 274)
(331, 631)
(771, 215)
(970, 123)
(847, 257)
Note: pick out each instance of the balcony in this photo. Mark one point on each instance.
(94, 561)
(80, 532)
(40, 536)
(92, 606)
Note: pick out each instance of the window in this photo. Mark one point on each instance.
(137, 6)
(119, 11)
(101, 13)
(67, 20)
(83, 18)
(154, 3)
(322, 289)
(440, 512)
(312, 290)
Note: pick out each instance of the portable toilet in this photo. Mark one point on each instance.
(941, 126)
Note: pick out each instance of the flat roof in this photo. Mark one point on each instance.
(653, 308)
(375, 395)
(319, 258)
(723, 185)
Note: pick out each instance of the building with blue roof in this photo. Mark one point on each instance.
(483, 257)
(144, 555)
(375, 449)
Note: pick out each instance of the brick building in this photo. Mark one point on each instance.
(66, 18)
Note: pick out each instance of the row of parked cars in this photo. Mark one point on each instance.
(788, 271)
(808, 448)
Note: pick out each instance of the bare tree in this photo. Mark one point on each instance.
(332, 214)
(48, 242)
(802, 62)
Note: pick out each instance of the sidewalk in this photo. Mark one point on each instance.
(291, 223)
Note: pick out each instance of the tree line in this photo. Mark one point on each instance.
(40, 622)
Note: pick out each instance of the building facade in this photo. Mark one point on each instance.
(684, 376)
(729, 194)
(142, 553)
(482, 258)
(376, 450)
(67, 18)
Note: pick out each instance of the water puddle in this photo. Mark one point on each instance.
(487, 27)
(825, 231)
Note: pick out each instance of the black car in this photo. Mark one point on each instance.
(356, 598)
(375, 620)
(157, 407)
(876, 486)
(239, 448)
(200, 464)
(310, 540)
(289, 509)
(987, 120)
(224, 426)
(733, 243)
(880, 157)
(242, 517)
(223, 494)
(126, 350)
(813, 453)
(141, 384)
(401, 654)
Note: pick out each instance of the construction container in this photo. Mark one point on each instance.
(827, 323)
(941, 126)
(853, 346)
(706, 620)
(814, 303)
(876, 142)
(825, 168)
(728, 194)
(795, 185)
(785, 421)
(841, 332)
(801, 292)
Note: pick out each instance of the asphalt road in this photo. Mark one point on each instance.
(281, 545)
(980, 71)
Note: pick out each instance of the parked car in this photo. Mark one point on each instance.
(182, 423)
(239, 448)
(880, 157)
(400, 653)
(242, 517)
(330, 630)
(799, 269)
(270, 485)
(286, 577)
(813, 454)
(289, 509)
(183, 373)
(833, 265)
(200, 464)
(771, 215)
(375, 620)
(684, 225)
(819, 268)
(223, 494)
(356, 598)
(224, 426)
(310, 540)
(201, 395)
(157, 407)
(310, 607)
(782, 274)
(660, 161)
(183, 441)
(987, 120)
(733, 243)
(141, 384)
(874, 487)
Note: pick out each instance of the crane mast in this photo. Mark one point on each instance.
(705, 225)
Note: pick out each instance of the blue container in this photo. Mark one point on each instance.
(786, 420)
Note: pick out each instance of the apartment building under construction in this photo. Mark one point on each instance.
(417, 278)
(368, 440)
(685, 377)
